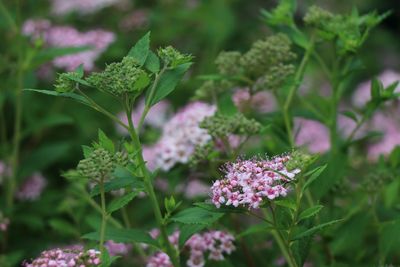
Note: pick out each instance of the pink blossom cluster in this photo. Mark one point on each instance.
(32, 188)
(213, 243)
(312, 134)
(62, 7)
(66, 258)
(263, 101)
(389, 125)
(5, 171)
(115, 248)
(139, 18)
(181, 134)
(155, 118)
(248, 183)
(67, 36)
(363, 92)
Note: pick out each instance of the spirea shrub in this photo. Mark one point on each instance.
(278, 153)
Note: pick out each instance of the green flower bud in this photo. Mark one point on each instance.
(299, 160)
(64, 84)
(125, 77)
(172, 57)
(228, 63)
(99, 164)
(317, 16)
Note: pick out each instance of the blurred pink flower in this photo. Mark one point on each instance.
(263, 101)
(62, 7)
(116, 249)
(363, 92)
(196, 188)
(137, 19)
(66, 36)
(32, 188)
(312, 134)
(389, 125)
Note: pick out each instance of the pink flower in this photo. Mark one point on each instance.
(248, 183)
(115, 248)
(196, 188)
(62, 7)
(66, 258)
(312, 134)
(363, 92)
(32, 188)
(159, 260)
(181, 134)
(389, 126)
(137, 19)
(66, 36)
(263, 101)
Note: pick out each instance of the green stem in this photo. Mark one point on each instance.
(171, 251)
(292, 91)
(283, 246)
(103, 216)
(150, 98)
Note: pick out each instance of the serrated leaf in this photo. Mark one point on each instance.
(122, 178)
(188, 230)
(152, 62)
(141, 49)
(167, 83)
(288, 203)
(106, 142)
(124, 236)
(314, 174)
(196, 215)
(315, 229)
(73, 96)
(120, 202)
(310, 212)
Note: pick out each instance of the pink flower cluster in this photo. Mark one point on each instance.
(62, 7)
(115, 248)
(32, 188)
(363, 92)
(66, 258)
(181, 134)
(262, 101)
(248, 183)
(66, 36)
(312, 134)
(213, 243)
(155, 118)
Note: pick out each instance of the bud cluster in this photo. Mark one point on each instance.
(100, 163)
(172, 57)
(121, 78)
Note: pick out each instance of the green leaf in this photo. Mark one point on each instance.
(226, 209)
(106, 259)
(196, 215)
(310, 212)
(350, 114)
(63, 227)
(187, 230)
(122, 179)
(389, 240)
(167, 83)
(314, 175)
(152, 62)
(376, 89)
(51, 120)
(120, 202)
(315, 229)
(226, 105)
(255, 229)
(73, 96)
(288, 203)
(106, 142)
(124, 236)
(141, 49)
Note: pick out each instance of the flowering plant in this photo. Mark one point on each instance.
(255, 168)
